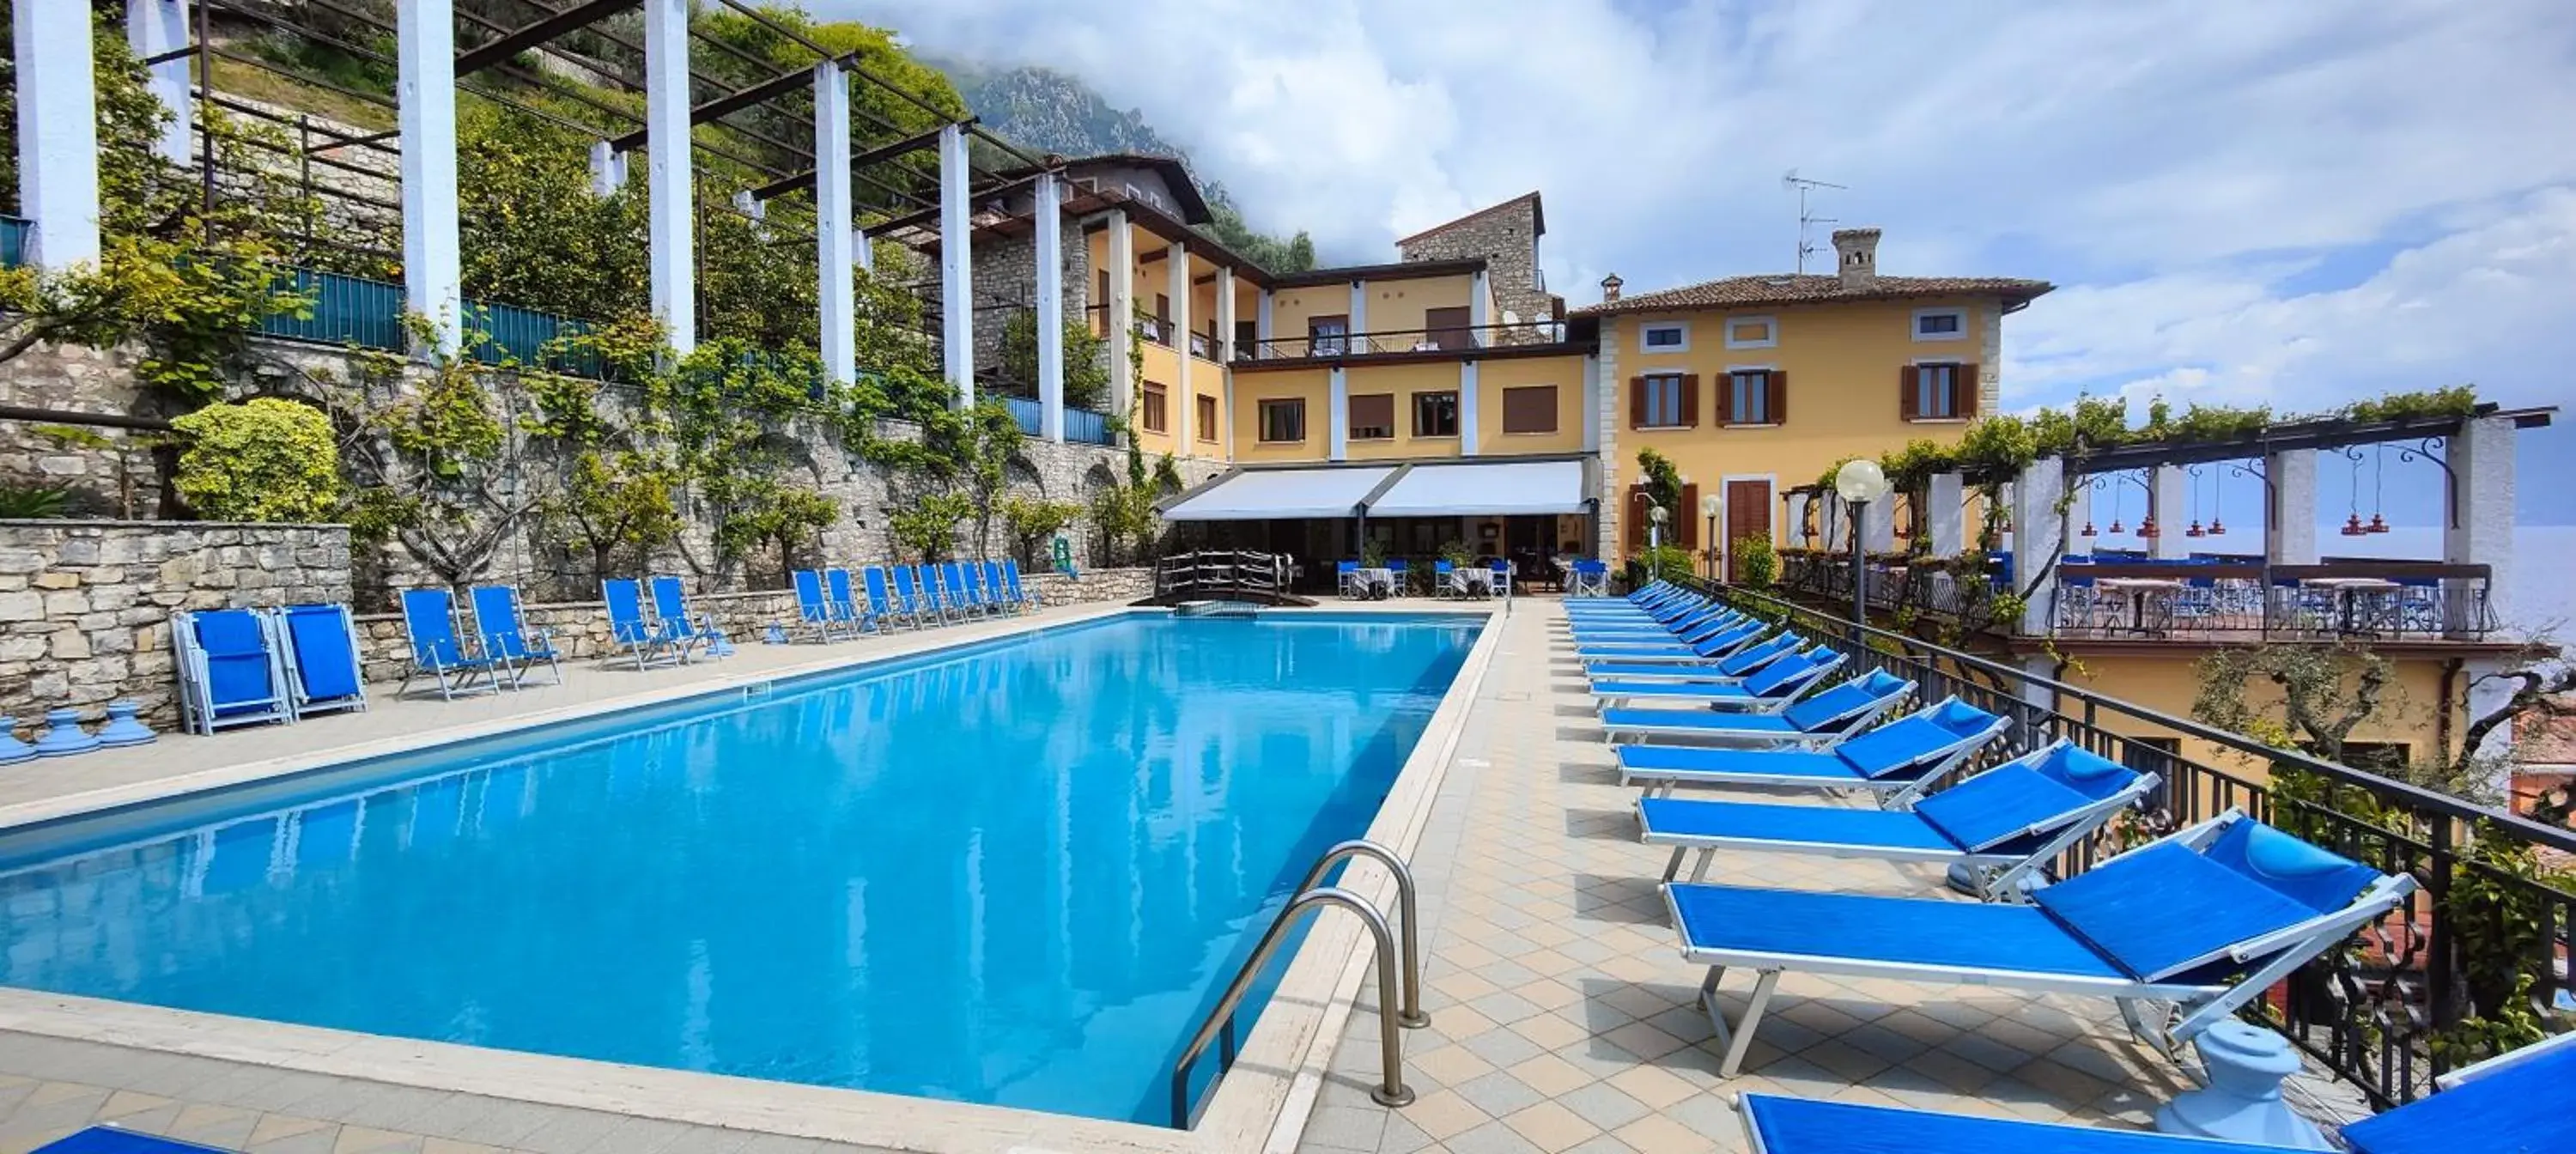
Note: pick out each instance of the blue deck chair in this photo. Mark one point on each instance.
(671, 613)
(631, 629)
(429, 620)
(1716, 688)
(813, 608)
(228, 670)
(1004, 595)
(1011, 581)
(507, 638)
(1662, 606)
(2205, 919)
(1822, 720)
(1705, 651)
(1636, 601)
(1747, 660)
(1346, 576)
(1896, 762)
(318, 646)
(882, 602)
(1589, 579)
(915, 600)
(1444, 580)
(2514, 1103)
(964, 589)
(937, 585)
(843, 605)
(1777, 687)
(2005, 825)
(1694, 624)
(110, 1140)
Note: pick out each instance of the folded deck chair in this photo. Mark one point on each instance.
(648, 640)
(2004, 825)
(1705, 651)
(671, 612)
(2514, 1103)
(915, 600)
(507, 639)
(429, 620)
(842, 604)
(318, 647)
(1895, 762)
(2205, 919)
(1820, 721)
(882, 602)
(228, 670)
(1011, 581)
(1777, 687)
(1717, 688)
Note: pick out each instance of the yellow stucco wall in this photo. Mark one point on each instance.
(1396, 306)
(1291, 308)
(2409, 712)
(1495, 375)
(1207, 379)
(1162, 368)
(1403, 381)
(1314, 386)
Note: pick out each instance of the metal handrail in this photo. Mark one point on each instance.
(1390, 1090)
(1408, 914)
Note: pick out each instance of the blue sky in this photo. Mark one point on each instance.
(2283, 204)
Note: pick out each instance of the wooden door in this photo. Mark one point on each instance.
(1748, 514)
(1448, 327)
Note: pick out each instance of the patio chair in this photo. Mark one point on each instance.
(1402, 572)
(813, 607)
(1895, 762)
(429, 620)
(1821, 721)
(671, 611)
(882, 602)
(1588, 579)
(841, 604)
(2205, 919)
(631, 630)
(317, 646)
(2005, 824)
(1011, 581)
(1776, 687)
(1346, 575)
(229, 673)
(1444, 580)
(1733, 653)
(1502, 577)
(914, 597)
(506, 638)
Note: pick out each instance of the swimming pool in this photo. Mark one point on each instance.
(1014, 873)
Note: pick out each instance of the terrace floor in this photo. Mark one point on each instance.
(1562, 1018)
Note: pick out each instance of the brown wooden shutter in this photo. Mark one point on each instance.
(1690, 400)
(1777, 404)
(1724, 398)
(1907, 393)
(1967, 379)
(1688, 517)
(1634, 512)
(1636, 402)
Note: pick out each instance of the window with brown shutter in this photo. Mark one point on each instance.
(1746, 397)
(1157, 418)
(1283, 421)
(1664, 401)
(1968, 390)
(1372, 417)
(1636, 402)
(1529, 409)
(1207, 429)
(1933, 392)
(1906, 395)
(1686, 518)
(1690, 400)
(1779, 388)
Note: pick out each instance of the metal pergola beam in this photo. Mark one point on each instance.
(877, 155)
(2289, 438)
(512, 43)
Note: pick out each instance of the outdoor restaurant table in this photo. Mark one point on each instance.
(2137, 590)
(1476, 580)
(2346, 592)
(1378, 582)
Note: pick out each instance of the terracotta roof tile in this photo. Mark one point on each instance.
(2544, 739)
(1784, 289)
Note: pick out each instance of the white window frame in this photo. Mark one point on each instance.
(1772, 342)
(1960, 334)
(1681, 388)
(1961, 386)
(1727, 398)
(1646, 348)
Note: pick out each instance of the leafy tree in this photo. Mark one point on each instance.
(928, 529)
(1086, 368)
(264, 459)
(1030, 522)
(1226, 224)
(533, 234)
(427, 454)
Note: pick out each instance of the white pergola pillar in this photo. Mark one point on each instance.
(2481, 460)
(157, 28)
(1467, 408)
(1359, 313)
(2290, 511)
(1479, 314)
(666, 169)
(2038, 530)
(867, 251)
(2168, 501)
(1878, 525)
(1050, 318)
(607, 169)
(433, 267)
(57, 132)
(833, 209)
(1261, 327)
(1591, 403)
(1225, 354)
(1177, 278)
(1945, 514)
(956, 266)
(1120, 315)
(1337, 402)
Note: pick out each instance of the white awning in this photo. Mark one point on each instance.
(1499, 488)
(1265, 494)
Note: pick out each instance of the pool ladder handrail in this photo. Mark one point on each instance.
(1218, 1026)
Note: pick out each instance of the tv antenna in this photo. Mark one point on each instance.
(1807, 220)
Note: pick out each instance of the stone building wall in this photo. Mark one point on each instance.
(109, 472)
(1006, 281)
(1505, 236)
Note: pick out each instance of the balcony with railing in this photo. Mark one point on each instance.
(2248, 602)
(1461, 338)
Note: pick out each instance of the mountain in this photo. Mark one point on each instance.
(1043, 110)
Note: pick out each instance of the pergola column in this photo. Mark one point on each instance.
(2290, 513)
(1050, 318)
(2038, 530)
(1945, 514)
(1185, 436)
(2481, 495)
(1119, 317)
(1878, 525)
(57, 132)
(1337, 402)
(1467, 408)
(832, 212)
(607, 169)
(666, 169)
(2166, 501)
(433, 267)
(158, 28)
(1225, 354)
(956, 266)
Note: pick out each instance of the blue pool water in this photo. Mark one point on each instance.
(1016, 874)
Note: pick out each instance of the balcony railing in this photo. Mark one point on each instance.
(1199, 347)
(1081, 426)
(2480, 952)
(1154, 328)
(2348, 600)
(1454, 339)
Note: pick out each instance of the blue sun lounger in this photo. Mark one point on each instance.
(1011, 580)
(1703, 633)
(649, 641)
(1743, 639)
(1820, 721)
(2004, 824)
(914, 598)
(429, 620)
(964, 583)
(507, 639)
(671, 612)
(814, 615)
(1896, 762)
(1004, 595)
(2205, 919)
(1717, 689)
(1777, 687)
(842, 605)
(1638, 601)
(1700, 618)
(882, 602)
(318, 647)
(2513, 1103)
(1744, 662)
(228, 670)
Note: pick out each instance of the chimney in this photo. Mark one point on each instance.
(1856, 257)
(1610, 288)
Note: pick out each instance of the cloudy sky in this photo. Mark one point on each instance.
(2292, 204)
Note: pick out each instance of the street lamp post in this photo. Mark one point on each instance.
(1656, 515)
(1858, 483)
(1708, 509)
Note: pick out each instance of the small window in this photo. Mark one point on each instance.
(1665, 338)
(1283, 422)
(1752, 332)
(1530, 409)
(1207, 430)
(1940, 324)
(1663, 405)
(1157, 418)
(1435, 414)
(1327, 336)
(1748, 398)
(1373, 417)
(1936, 392)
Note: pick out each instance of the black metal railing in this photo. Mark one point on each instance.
(1456, 338)
(2473, 962)
(2338, 601)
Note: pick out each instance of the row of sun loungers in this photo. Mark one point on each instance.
(254, 666)
(828, 607)
(2199, 922)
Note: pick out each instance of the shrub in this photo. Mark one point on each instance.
(1031, 521)
(260, 460)
(1755, 561)
(32, 502)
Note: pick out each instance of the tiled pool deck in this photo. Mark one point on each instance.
(1562, 1018)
